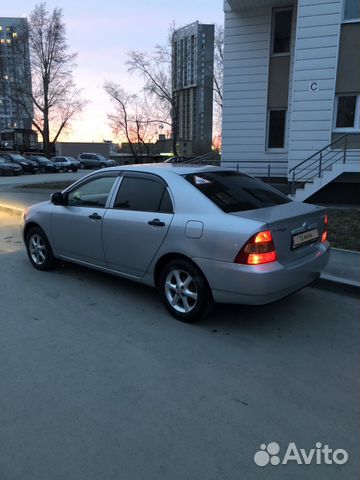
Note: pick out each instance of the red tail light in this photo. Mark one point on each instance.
(258, 250)
(325, 232)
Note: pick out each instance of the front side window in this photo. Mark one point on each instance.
(236, 192)
(347, 112)
(93, 193)
(276, 129)
(281, 32)
(351, 10)
(144, 195)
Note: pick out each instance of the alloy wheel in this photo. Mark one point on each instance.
(181, 291)
(37, 249)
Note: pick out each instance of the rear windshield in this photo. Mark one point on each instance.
(236, 192)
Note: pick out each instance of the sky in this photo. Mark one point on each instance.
(102, 32)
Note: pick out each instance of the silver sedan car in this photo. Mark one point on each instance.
(198, 234)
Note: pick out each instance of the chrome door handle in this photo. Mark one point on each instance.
(95, 216)
(156, 223)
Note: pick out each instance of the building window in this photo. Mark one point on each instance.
(351, 10)
(281, 34)
(276, 129)
(347, 113)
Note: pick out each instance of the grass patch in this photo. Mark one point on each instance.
(49, 185)
(344, 228)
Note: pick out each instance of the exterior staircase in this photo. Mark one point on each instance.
(324, 166)
(210, 158)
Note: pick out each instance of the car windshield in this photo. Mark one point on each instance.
(17, 157)
(101, 157)
(3, 160)
(235, 192)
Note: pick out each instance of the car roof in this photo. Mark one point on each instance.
(90, 153)
(178, 168)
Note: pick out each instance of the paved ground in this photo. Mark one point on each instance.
(12, 195)
(98, 382)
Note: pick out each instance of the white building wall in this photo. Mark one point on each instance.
(246, 66)
(316, 52)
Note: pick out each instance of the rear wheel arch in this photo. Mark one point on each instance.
(169, 257)
(183, 288)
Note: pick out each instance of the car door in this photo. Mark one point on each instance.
(76, 226)
(137, 223)
(86, 160)
(93, 161)
(58, 161)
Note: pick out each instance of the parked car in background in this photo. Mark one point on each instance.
(45, 165)
(9, 168)
(94, 160)
(197, 234)
(28, 166)
(66, 163)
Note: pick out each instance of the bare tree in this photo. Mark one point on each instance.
(119, 120)
(132, 119)
(53, 95)
(218, 84)
(218, 64)
(155, 69)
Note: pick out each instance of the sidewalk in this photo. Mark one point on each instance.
(343, 267)
(14, 199)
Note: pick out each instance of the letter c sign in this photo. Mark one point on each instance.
(314, 86)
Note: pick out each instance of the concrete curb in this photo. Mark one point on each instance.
(11, 210)
(327, 277)
(344, 250)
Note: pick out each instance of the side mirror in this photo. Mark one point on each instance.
(58, 198)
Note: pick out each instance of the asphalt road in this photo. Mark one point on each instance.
(12, 194)
(97, 381)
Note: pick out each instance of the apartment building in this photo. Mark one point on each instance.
(13, 61)
(192, 87)
(291, 85)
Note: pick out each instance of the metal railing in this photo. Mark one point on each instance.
(322, 160)
(209, 158)
(262, 168)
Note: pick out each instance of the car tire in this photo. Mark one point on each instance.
(185, 291)
(102, 165)
(39, 250)
(42, 169)
(74, 170)
(82, 166)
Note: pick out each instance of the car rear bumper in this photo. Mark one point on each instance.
(261, 284)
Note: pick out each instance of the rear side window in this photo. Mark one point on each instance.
(236, 192)
(144, 195)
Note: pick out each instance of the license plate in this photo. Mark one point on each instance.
(305, 237)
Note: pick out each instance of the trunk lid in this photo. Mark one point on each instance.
(288, 221)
